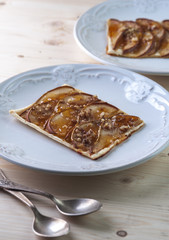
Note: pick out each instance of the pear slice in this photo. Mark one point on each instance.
(165, 24)
(145, 46)
(131, 36)
(156, 29)
(75, 100)
(39, 113)
(56, 94)
(163, 50)
(115, 29)
(97, 112)
(115, 130)
(123, 36)
(61, 123)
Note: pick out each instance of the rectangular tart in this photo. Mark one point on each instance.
(78, 120)
(142, 38)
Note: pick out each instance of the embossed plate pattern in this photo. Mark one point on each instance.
(131, 92)
(90, 32)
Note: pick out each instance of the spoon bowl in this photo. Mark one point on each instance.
(78, 206)
(49, 227)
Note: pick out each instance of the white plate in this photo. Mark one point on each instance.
(90, 32)
(131, 92)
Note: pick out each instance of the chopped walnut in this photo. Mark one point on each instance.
(83, 137)
(42, 111)
(85, 115)
(107, 125)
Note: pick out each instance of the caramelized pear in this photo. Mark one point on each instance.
(61, 123)
(145, 46)
(115, 29)
(163, 50)
(115, 130)
(123, 36)
(39, 113)
(97, 111)
(56, 94)
(156, 29)
(165, 24)
(76, 100)
(131, 36)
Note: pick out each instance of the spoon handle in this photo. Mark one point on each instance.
(8, 184)
(23, 198)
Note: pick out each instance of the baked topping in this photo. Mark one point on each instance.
(123, 36)
(97, 112)
(165, 24)
(45, 105)
(56, 94)
(76, 100)
(61, 123)
(140, 38)
(39, 113)
(85, 135)
(145, 46)
(115, 30)
(154, 27)
(80, 121)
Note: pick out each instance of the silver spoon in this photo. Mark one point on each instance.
(71, 207)
(43, 226)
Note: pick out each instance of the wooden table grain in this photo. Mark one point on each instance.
(37, 33)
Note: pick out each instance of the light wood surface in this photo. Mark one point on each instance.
(37, 33)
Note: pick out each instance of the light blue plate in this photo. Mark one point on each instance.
(131, 92)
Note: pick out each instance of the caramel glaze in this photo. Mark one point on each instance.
(80, 119)
(44, 106)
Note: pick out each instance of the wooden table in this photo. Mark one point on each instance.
(37, 33)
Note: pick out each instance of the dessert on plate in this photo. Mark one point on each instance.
(142, 38)
(79, 120)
